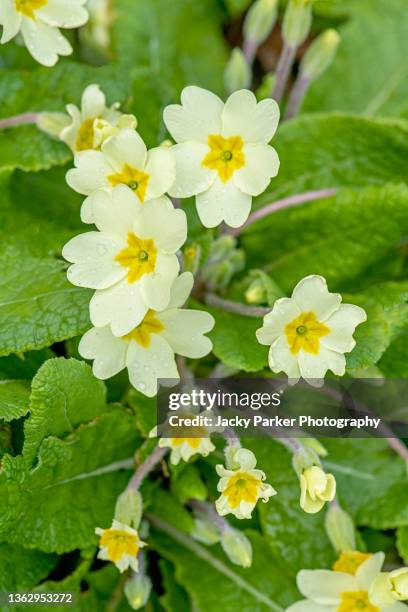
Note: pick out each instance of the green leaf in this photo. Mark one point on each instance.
(209, 578)
(14, 398)
(293, 535)
(175, 598)
(22, 569)
(37, 303)
(75, 462)
(166, 506)
(235, 343)
(336, 150)
(371, 481)
(188, 484)
(372, 54)
(339, 238)
(394, 360)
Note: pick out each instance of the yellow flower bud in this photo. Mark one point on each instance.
(297, 21)
(260, 20)
(317, 487)
(237, 547)
(399, 582)
(237, 73)
(320, 55)
(137, 590)
(340, 529)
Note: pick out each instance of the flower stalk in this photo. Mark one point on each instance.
(22, 119)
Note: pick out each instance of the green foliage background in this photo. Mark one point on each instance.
(67, 441)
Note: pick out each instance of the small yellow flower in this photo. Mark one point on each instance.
(139, 257)
(120, 544)
(242, 487)
(225, 155)
(316, 487)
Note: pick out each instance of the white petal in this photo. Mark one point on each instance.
(93, 257)
(184, 329)
(191, 176)
(93, 102)
(108, 351)
(147, 365)
(120, 306)
(324, 586)
(57, 13)
(166, 225)
(90, 172)
(223, 202)
(398, 606)
(282, 360)
(161, 168)
(283, 312)
(312, 294)
(315, 366)
(369, 570)
(342, 324)
(245, 459)
(10, 19)
(261, 164)
(155, 288)
(115, 212)
(181, 290)
(44, 42)
(199, 115)
(243, 116)
(309, 606)
(127, 147)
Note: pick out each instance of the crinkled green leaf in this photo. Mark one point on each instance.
(22, 569)
(266, 585)
(175, 598)
(75, 462)
(339, 238)
(38, 306)
(372, 53)
(14, 398)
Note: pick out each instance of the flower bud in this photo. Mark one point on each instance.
(340, 529)
(399, 583)
(320, 55)
(315, 445)
(129, 508)
(316, 488)
(260, 20)
(237, 74)
(205, 531)
(262, 289)
(192, 257)
(53, 123)
(96, 32)
(237, 547)
(297, 21)
(137, 590)
(222, 247)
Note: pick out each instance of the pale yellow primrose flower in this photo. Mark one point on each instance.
(38, 22)
(242, 487)
(309, 332)
(148, 350)
(131, 260)
(390, 587)
(222, 155)
(316, 488)
(122, 160)
(120, 544)
(89, 126)
(346, 589)
(185, 448)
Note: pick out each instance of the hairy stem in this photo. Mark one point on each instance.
(250, 48)
(248, 311)
(297, 96)
(285, 64)
(146, 467)
(289, 202)
(19, 120)
(209, 511)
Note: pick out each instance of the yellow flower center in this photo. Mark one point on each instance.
(242, 487)
(355, 602)
(141, 334)
(133, 178)
(225, 155)
(85, 137)
(304, 333)
(27, 7)
(139, 256)
(350, 561)
(119, 543)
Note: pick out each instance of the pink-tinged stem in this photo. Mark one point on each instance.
(18, 120)
(285, 63)
(248, 311)
(250, 48)
(296, 200)
(146, 467)
(297, 96)
(399, 447)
